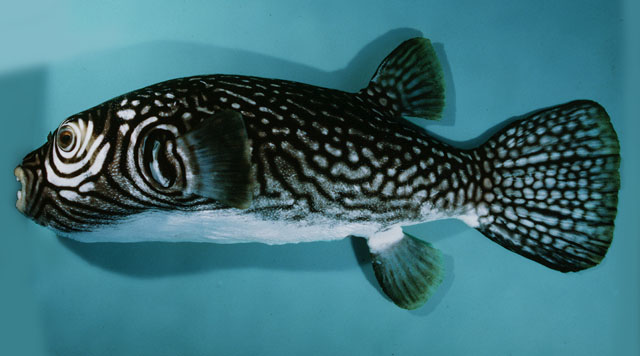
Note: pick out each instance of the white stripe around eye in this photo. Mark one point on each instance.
(68, 168)
(76, 141)
(77, 180)
(86, 136)
(82, 137)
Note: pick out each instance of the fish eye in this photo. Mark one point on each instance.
(66, 139)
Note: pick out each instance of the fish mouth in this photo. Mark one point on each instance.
(21, 203)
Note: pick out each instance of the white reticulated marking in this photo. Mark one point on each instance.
(235, 106)
(89, 186)
(556, 194)
(353, 156)
(583, 194)
(528, 180)
(449, 197)
(205, 110)
(528, 193)
(69, 195)
(404, 176)
(541, 194)
(376, 183)
(486, 183)
(321, 128)
(388, 189)
(145, 110)
(75, 181)
(280, 130)
(135, 102)
(341, 169)
(321, 161)
(527, 223)
(334, 151)
(265, 109)
(124, 128)
(550, 182)
(510, 213)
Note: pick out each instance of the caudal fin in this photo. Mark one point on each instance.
(409, 82)
(551, 186)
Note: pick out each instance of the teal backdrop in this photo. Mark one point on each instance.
(501, 59)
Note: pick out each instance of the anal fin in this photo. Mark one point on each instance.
(409, 270)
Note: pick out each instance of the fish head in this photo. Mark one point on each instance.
(57, 179)
(115, 161)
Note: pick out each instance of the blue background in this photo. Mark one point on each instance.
(501, 59)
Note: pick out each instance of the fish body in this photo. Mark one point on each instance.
(326, 164)
(228, 159)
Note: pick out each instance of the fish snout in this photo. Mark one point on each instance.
(21, 203)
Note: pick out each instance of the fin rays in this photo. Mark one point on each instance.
(408, 270)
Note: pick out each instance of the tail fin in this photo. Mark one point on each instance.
(409, 82)
(552, 183)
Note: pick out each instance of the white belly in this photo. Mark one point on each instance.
(224, 226)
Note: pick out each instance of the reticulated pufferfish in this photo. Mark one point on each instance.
(228, 159)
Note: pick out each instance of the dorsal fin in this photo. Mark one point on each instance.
(412, 79)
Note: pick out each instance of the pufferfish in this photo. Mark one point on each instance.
(230, 159)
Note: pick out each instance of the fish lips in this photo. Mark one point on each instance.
(21, 203)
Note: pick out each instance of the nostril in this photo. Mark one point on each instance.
(21, 203)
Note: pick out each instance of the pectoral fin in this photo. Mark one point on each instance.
(222, 167)
(409, 270)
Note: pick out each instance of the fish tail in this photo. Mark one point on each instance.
(409, 82)
(550, 184)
